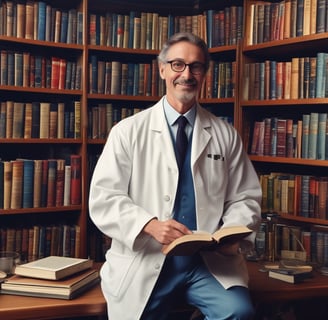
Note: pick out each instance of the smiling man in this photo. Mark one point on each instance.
(164, 172)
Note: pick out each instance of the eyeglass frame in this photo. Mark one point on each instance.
(190, 65)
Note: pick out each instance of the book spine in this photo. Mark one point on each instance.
(75, 179)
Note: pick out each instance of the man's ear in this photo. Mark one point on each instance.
(161, 67)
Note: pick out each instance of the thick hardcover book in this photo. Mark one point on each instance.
(7, 183)
(75, 179)
(28, 175)
(192, 243)
(68, 288)
(53, 267)
(289, 275)
(18, 120)
(17, 184)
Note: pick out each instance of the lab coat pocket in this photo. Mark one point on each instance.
(117, 272)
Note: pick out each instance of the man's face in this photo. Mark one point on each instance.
(182, 88)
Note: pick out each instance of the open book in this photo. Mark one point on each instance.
(191, 243)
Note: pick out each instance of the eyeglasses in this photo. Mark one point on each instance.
(179, 66)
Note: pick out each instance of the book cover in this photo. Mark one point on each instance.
(53, 267)
(290, 276)
(17, 184)
(28, 175)
(68, 288)
(192, 243)
(75, 179)
(7, 183)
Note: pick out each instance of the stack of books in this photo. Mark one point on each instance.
(290, 271)
(52, 277)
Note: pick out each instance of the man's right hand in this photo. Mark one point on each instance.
(165, 231)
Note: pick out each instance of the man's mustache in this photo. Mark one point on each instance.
(186, 82)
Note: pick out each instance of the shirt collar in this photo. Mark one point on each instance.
(172, 115)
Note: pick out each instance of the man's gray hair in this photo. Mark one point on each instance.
(187, 37)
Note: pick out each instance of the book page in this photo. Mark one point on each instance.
(53, 263)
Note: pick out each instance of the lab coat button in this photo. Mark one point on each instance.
(157, 266)
(167, 198)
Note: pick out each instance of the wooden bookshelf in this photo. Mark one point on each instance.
(282, 49)
(49, 45)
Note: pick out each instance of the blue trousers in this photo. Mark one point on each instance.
(188, 279)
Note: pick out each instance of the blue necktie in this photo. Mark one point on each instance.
(181, 141)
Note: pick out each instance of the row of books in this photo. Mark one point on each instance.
(116, 77)
(220, 80)
(298, 195)
(291, 239)
(103, 116)
(268, 21)
(39, 20)
(304, 138)
(26, 183)
(24, 69)
(41, 120)
(149, 30)
(300, 78)
(38, 241)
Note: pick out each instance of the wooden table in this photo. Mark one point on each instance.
(91, 303)
(265, 289)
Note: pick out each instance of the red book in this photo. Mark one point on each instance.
(62, 74)
(55, 62)
(60, 182)
(75, 179)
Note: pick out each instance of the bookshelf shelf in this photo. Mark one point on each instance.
(291, 161)
(40, 141)
(43, 210)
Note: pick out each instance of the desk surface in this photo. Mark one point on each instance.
(92, 303)
(265, 289)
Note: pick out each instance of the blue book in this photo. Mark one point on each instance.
(38, 72)
(94, 74)
(35, 133)
(321, 16)
(320, 75)
(41, 20)
(299, 18)
(273, 80)
(3, 113)
(209, 27)
(321, 144)
(64, 27)
(131, 29)
(136, 80)
(11, 68)
(114, 30)
(305, 135)
(313, 135)
(305, 196)
(79, 29)
(28, 180)
(129, 88)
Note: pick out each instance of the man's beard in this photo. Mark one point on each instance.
(187, 96)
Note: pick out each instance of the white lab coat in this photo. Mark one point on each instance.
(136, 179)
